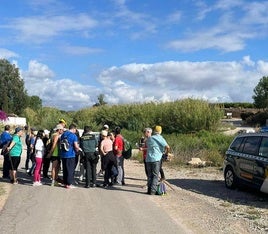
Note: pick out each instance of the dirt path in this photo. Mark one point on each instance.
(198, 200)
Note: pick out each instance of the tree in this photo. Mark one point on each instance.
(261, 93)
(34, 102)
(101, 101)
(13, 96)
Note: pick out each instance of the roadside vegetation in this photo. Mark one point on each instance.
(192, 127)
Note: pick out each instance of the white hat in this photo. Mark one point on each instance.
(105, 126)
(104, 133)
(58, 127)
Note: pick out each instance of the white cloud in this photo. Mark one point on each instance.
(80, 50)
(38, 71)
(7, 54)
(38, 29)
(137, 83)
(229, 32)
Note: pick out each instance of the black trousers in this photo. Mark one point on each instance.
(91, 161)
(6, 166)
(109, 160)
(68, 166)
(46, 165)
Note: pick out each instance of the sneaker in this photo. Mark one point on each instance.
(15, 182)
(70, 186)
(36, 183)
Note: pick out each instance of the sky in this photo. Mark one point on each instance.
(133, 51)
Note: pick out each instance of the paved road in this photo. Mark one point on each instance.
(47, 209)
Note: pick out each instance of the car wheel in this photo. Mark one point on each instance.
(230, 178)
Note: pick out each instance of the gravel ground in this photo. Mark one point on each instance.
(198, 200)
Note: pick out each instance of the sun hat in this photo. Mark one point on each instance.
(58, 127)
(105, 126)
(104, 133)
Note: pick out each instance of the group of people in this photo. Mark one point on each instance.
(63, 148)
(44, 148)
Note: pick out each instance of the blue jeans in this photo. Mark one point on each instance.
(121, 172)
(153, 172)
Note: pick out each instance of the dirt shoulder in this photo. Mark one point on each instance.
(198, 200)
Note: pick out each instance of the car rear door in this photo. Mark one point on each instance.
(248, 162)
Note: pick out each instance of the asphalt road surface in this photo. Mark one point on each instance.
(118, 209)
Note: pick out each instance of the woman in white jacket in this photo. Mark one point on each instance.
(39, 150)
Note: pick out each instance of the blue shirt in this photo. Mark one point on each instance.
(71, 137)
(5, 138)
(155, 148)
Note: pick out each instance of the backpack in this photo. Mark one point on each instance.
(64, 143)
(127, 150)
(161, 189)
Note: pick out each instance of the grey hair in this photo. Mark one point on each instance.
(148, 130)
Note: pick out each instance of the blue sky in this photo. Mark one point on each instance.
(69, 52)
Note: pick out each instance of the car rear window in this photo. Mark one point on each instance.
(236, 145)
(264, 147)
(251, 145)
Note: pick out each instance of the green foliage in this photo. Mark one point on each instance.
(209, 146)
(261, 93)
(13, 97)
(45, 118)
(258, 119)
(243, 105)
(246, 115)
(34, 102)
(182, 116)
(101, 101)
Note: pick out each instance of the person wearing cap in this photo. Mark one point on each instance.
(15, 150)
(89, 144)
(5, 140)
(54, 153)
(63, 122)
(156, 146)
(109, 159)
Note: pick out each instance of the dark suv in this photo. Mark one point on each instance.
(246, 162)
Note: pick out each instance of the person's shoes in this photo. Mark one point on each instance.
(86, 186)
(47, 177)
(93, 185)
(105, 186)
(123, 183)
(110, 184)
(54, 183)
(70, 186)
(37, 183)
(15, 182)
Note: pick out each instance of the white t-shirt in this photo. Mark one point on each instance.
(39, 148)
